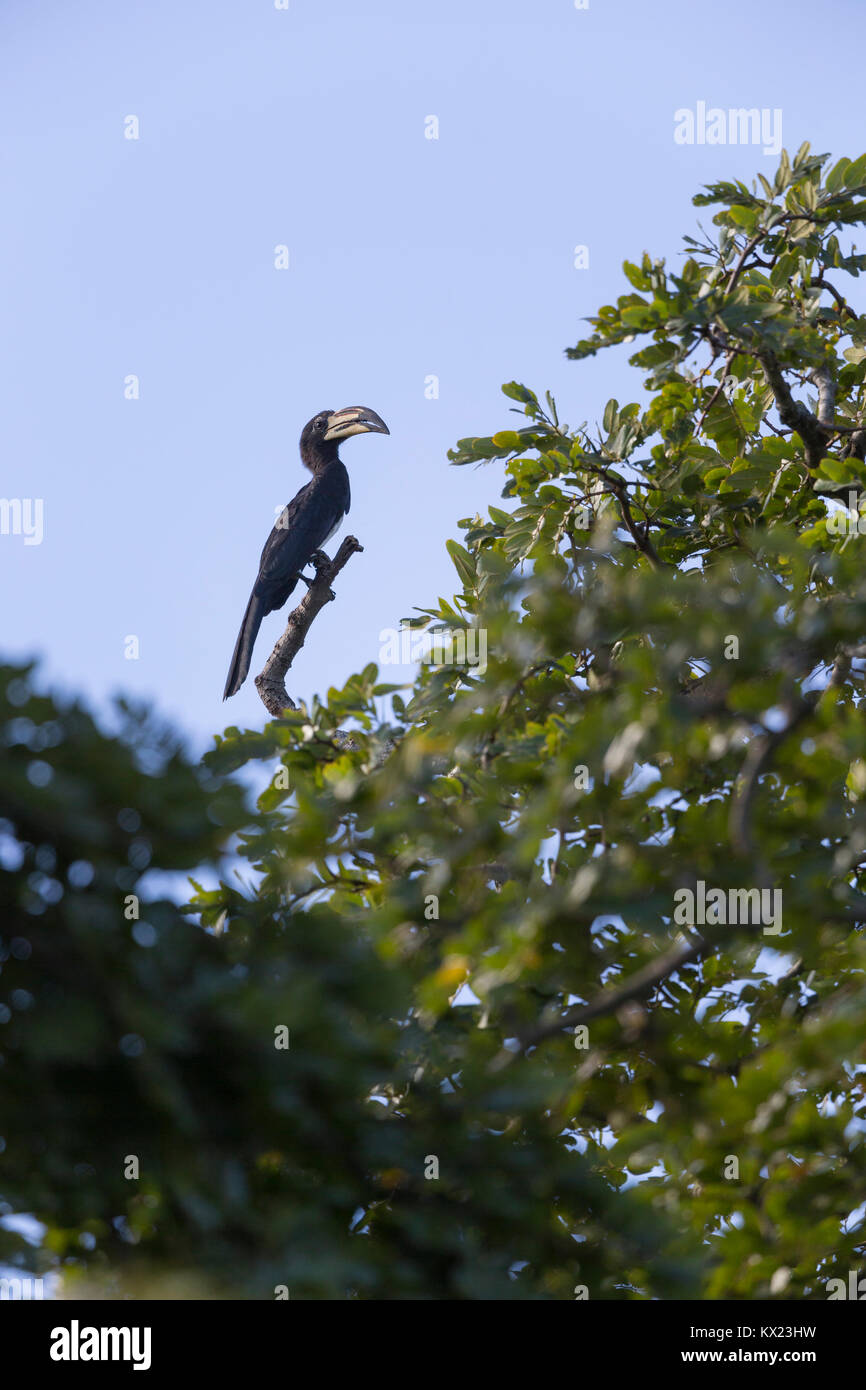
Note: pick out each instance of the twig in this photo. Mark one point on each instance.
(639, 534)
(844, 306)
(643, 982)
(744, 254)
(718, 391)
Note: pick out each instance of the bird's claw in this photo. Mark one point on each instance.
(318, 560)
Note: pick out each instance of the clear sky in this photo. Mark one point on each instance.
(409, 257)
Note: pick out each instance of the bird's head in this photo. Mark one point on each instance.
(321, 435)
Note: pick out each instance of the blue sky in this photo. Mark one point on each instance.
(305, 127)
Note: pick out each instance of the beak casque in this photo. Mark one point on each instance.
(354, 419)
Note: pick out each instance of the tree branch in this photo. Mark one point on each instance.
(744, 255)
(844, 307)
(814, 434)
(729, 357)
(823, 379)
(642, 983)
(639, 534)
(270, 683)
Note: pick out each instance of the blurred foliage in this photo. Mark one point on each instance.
(674, 619)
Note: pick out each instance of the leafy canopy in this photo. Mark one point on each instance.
(625, 1099)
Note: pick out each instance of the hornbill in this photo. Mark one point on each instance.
(310, 519)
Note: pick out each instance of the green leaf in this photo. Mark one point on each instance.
(855, 174)
(517, 392)
(836, 177)
(463, 563)
(507, 440)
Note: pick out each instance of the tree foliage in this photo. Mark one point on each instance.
(518, 1064)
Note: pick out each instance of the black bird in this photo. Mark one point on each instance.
(302, 527)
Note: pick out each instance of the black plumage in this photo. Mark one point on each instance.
(302, 527)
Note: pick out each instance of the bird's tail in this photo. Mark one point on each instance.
(243, 652)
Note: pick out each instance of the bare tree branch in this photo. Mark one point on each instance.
(271, 682)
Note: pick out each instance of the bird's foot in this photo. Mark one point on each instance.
(318, 560)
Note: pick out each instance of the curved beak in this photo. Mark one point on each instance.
(354, 419)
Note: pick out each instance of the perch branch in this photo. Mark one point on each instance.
(271, 682)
